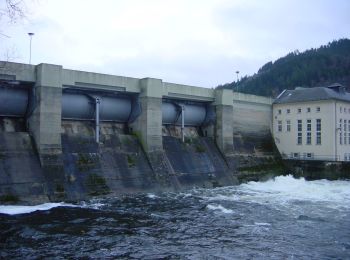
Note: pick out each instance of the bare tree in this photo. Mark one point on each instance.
(13, 10)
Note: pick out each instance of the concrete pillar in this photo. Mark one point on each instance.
(224, 120)
(45, 120)
(148, 126)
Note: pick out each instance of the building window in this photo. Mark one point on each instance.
(279, 126)
(299, 110)
(296, 155)
(340, 131)
(308, 133)
(349, 132)
(345, 135)
(318, 124)
(288, 125)
(318, 109)
(308, 109)
(279, 111)
(300, 135)
(300, 138)
(300, 126)
(340, 138)
(318, 138)
(309, 155)
(308, 138)
(288, 111)
(341, 109)
(318, 131)
(308, 125)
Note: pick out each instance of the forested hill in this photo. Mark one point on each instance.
(316, 67)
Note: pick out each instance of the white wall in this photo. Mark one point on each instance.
(343, 147)
(287, 141)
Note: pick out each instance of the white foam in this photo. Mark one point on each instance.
(152, 196)
(219, 208)
(285, 188)
(262, 224)
(293, 195)
(14, 209)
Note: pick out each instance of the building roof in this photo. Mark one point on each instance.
(334, 91)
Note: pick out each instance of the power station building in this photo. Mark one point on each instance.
(313, 123)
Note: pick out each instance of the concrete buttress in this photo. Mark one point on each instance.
(45, 122)
(148, 126)
(224, 120)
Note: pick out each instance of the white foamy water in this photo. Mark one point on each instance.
(220, 208)
(14, 209)
(152, 196)
(284, 190)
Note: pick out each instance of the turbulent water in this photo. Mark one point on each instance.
(284, 218)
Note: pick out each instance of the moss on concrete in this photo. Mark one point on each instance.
(96, 185)
(131, 160)
(138, 135)
(9, 198)
(59, 187)
(85, 162)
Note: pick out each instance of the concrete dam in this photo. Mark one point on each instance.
(68, 135)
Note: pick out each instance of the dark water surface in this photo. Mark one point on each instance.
(285, 218)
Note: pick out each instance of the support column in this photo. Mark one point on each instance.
(45, 120)
(224, 120)
(97, 119)
(148, 126)
(183, 123)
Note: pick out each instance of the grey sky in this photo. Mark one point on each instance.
(192, 42)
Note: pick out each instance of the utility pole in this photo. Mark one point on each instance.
(237, 72)
(30, 47)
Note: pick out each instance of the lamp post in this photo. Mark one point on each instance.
(30, 47)
(237, 72)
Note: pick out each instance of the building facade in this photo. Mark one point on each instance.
(313, 123)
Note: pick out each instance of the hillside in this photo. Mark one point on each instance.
(315, 67)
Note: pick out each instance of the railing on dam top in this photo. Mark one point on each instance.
(311, 157)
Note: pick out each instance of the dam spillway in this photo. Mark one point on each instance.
(68, 134)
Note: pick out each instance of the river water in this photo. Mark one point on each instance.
(284, 218)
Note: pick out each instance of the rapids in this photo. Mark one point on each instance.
(283, 218)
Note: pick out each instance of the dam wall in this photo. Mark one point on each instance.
(82, 134)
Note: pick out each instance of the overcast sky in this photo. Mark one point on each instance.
(191, 42)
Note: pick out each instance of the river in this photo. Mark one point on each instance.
(283, 218)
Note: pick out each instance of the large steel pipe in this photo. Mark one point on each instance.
(13, 101)
(115, 109)
(79, 106)
(194, 114)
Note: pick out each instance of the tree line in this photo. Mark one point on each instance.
(315, 67)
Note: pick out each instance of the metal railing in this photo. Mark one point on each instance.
(311, 158)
